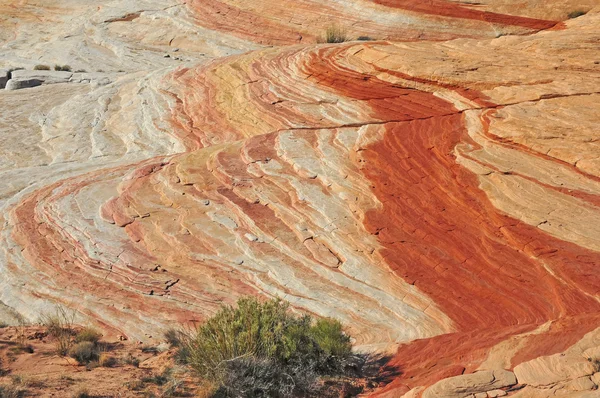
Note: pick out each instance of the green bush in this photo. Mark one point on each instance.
(41, 67)
(88, 334)
(84, 352)
(257, 341)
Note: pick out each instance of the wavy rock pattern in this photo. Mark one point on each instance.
(439, 198)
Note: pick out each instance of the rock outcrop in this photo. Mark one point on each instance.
(440, 198)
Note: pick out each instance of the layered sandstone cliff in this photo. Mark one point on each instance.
(439, 197)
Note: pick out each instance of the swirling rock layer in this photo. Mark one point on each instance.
(439, 198)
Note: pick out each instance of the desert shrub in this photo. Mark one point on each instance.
(576, 13)
(82, 393)
(264, 345)
(131, 360)
(63, 68)
(364, 38)
(265, 378)
(84, 352)
(333, 34)
(149, 349)
(7, 391)
(41, 67)
(59, 327)
(107, 361)
(174, 337)
(88, 334)
(159, 379)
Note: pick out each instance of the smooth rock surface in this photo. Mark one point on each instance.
(477, 383)
(439, 197)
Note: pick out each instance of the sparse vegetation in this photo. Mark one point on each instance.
(63, 68)
(364, 38)
(84, 352)
(262, 350)
(7, 391)
(82, 393)
(131, 360)
(88, 334)
(107, 361)
(576, 13)
(334, 34)
(41, 67)
(59, 327)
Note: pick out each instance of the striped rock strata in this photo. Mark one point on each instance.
(439, 198)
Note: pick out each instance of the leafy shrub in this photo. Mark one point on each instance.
(88, 334)
(576, 13)
(84, 352)
(41, 67)
(64, 68)
(262, 344)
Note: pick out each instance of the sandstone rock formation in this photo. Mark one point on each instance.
(440, 198)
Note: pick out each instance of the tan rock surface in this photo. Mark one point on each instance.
(440, 198)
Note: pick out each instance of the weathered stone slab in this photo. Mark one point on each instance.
(473, 383)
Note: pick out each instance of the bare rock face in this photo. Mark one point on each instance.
(4, 74)
(439, 196)
(26, 79)
(471, 384)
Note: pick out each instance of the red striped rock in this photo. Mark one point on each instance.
(439, 198)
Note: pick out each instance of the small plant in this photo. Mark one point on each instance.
(84, 352)
(59, 327)
(576, 13)
(364, 38)
(131, 360)
(333, 34)
(3, 325)
(81, 71)
(41, 67)
(11, 391)
(82, 393)
(88, 334)
(135, 385)
(146, 348)
(63, 68)
(160, 379)
(174, 337)
(107, 361)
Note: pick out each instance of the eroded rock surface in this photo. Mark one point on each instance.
(440, 198)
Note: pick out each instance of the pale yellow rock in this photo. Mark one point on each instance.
(545, 371)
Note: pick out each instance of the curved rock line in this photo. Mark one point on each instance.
(291, 21)
(385, 184)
